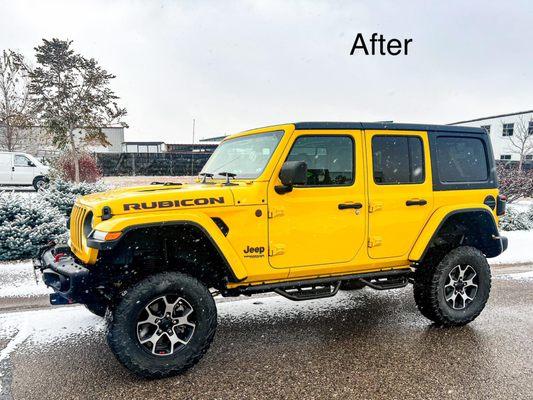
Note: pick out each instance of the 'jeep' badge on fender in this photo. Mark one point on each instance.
(201, 201)
(254, 252)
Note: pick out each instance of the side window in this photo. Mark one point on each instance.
(21, 161)
(329, 159)
(461, 159)
(398, 160)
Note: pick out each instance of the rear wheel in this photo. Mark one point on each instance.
(455, 291)
(163, 325)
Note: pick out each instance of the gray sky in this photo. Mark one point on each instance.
(240, 65)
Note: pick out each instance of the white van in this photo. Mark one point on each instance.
(21, 169)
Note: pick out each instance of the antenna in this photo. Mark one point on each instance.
(192, 147)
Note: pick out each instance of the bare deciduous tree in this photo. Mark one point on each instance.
(15, 107)
(521, 141)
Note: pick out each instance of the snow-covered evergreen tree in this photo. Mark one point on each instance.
(26, 224)
(62, 194)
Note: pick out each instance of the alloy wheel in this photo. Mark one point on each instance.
(461, 286)
(166, 325)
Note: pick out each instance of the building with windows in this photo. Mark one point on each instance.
(143, 147)
(35, 140)
(191, 148)
(504, 128)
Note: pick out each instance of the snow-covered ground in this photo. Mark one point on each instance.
(520, 250)
(17, 279)
(518, 276)
(521, 205)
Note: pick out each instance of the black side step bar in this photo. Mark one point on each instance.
(310, 292)
(329, 280)
(386, 283)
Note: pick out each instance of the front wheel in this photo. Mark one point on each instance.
(163, 325)
(40, 182)
(455, 291)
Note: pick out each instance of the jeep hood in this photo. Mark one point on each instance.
(149, 198)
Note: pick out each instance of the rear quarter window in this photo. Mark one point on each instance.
(461, 160)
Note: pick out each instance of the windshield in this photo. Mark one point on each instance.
(245, 156)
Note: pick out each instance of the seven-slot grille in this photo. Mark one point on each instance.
(77, 218)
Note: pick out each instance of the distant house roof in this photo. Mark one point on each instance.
(492, 116)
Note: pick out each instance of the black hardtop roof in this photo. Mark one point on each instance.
(388, 126)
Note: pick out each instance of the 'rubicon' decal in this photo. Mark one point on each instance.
(201, 201)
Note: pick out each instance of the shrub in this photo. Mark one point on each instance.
(529, 216)
(62, 194)
(89, 170)
(26, 224)
(513, 183)
(515, 220)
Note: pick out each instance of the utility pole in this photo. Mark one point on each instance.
(192, 147)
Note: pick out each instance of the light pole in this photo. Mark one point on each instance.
(192, 147)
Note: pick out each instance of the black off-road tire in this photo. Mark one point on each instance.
(122, 325)
(97, 308)
(354, 284)
(429, 291)
(40, 182)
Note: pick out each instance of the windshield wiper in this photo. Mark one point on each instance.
(205, 175)
(228, 176)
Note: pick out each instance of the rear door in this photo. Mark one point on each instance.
(399, 189)
(6, 168)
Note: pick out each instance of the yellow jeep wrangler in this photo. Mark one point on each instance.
(302, 210)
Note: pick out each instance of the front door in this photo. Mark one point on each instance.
(6, 168)
(317, 223)
(23, 171)
(399, 189)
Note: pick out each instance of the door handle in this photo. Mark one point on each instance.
(344, 206)
(416, 202)
(12, 169)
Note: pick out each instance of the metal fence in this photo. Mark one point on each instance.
(131, 164)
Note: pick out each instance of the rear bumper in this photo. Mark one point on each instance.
(70, 280)
(504, 242)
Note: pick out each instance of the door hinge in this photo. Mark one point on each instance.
(276, 250)
(374, 241)
(373, 207)
(275, 212)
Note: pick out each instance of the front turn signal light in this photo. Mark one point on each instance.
(113, 235)
(105, 236)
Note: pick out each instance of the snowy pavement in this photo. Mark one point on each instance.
(365, 344)
(17, 279)
(520, 249)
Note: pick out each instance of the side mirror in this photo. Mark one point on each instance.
(292, 173)
(31, 164)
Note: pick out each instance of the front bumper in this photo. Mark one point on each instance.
(70, 280)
